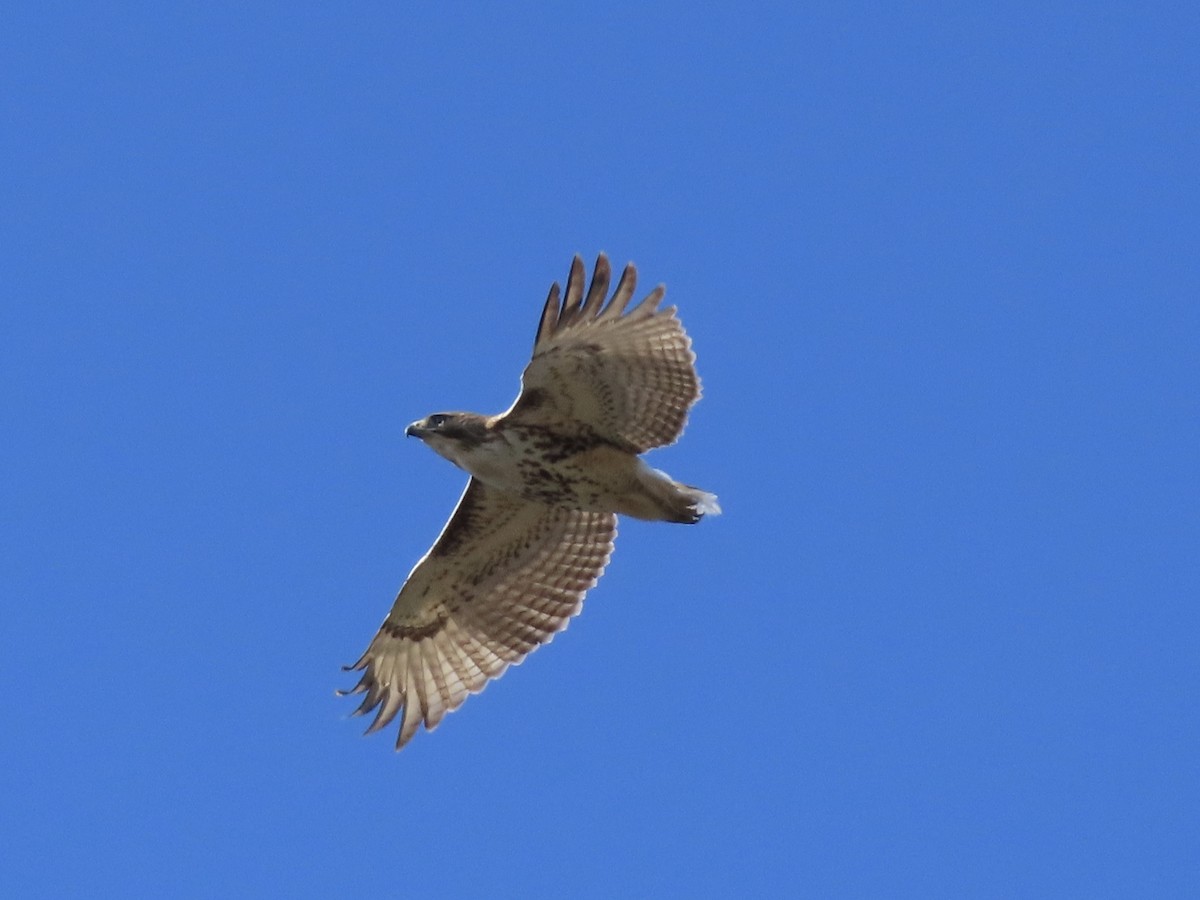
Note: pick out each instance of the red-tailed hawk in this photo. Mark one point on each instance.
(534, 528)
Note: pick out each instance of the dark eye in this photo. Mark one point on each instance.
(436, 420)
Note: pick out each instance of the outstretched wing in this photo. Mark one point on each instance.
(628, 377)
(504, 576)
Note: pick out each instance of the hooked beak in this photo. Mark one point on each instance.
(414, 430)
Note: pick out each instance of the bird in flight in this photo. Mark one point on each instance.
(534, 528)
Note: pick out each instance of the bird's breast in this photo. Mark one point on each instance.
(557, 470)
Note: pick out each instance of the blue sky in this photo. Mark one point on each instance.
(940, 268)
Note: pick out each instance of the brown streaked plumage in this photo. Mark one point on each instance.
(534, 528)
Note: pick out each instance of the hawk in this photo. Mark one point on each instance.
(534, 528)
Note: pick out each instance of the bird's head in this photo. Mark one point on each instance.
(453, 435)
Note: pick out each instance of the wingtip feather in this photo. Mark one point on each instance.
(550, 314)
(601, 276)
(621, 296)
(570, 307)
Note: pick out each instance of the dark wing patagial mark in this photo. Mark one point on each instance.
(463, 524)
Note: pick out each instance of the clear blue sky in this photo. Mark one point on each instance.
(940, 268)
